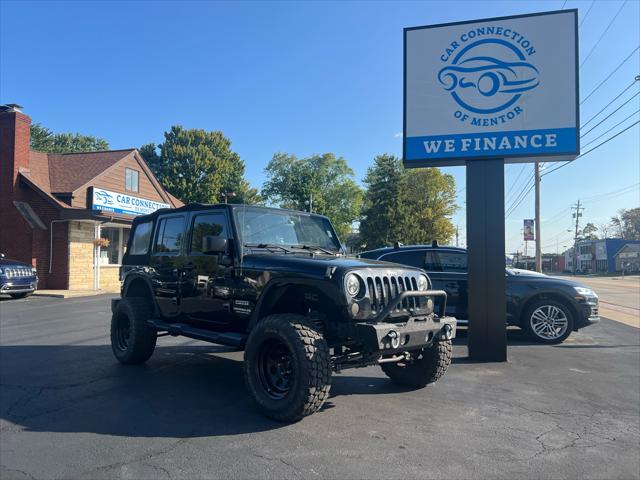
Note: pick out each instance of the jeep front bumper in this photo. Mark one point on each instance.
(385, 337)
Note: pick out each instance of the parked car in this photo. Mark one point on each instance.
(16, 278)
(548, 308)
(276, 284)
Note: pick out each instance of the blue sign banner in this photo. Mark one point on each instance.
(115, 202)
(503, 87)
(495, 144)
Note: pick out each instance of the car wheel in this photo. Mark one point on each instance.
(20, 295)
(548, 321)
(287, 367)
(425, 366)
(132, 340)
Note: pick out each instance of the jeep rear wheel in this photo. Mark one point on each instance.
(287, 367)
(424, 367)
(132, 340)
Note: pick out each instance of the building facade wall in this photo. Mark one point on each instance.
(81, 255)
(109, 278)
(114, 179)
(15, 135)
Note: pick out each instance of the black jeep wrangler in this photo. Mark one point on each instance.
(276, 283)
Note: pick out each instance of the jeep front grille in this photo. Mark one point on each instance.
(384, 288)
(18, 272)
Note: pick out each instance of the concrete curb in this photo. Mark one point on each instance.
(69, 293)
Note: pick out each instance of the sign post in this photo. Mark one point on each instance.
(484, 93)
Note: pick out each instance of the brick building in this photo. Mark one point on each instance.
(69, 214)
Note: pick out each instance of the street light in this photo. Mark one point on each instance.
(227, 195)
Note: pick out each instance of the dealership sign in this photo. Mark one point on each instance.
(109, 201)
(495, 88)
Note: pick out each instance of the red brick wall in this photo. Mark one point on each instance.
(17, 239)
(15, 233)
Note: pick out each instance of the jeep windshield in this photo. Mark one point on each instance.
(284, 230)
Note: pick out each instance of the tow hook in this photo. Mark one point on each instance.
(395, 338)
(447, 332)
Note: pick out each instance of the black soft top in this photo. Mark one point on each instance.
(210, 206)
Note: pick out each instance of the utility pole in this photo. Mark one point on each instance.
(456, 235)
(577, 216)
(537, 220)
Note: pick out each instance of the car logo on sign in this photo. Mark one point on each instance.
(488, 76)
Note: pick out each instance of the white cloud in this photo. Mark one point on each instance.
(397, 135)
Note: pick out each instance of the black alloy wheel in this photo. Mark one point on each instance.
(122, 332)
(276, 368)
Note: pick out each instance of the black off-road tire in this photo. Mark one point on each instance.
(132, 340)
(427, 366)
(308, 356)
(20, 295)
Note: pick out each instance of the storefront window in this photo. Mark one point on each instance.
(114, 245)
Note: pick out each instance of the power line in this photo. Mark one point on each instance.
(619, 123)
(526, 188)
(516, 181)
(587, 14)
(619, 107)
(592, 149)
(556, 217)
(597, 196)
(610, 196)
(607, 105)
(517, 196)
(603, 33)
(513, 209)
(610, 74)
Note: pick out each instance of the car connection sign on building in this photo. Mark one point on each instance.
(120, 203)
(495, 88)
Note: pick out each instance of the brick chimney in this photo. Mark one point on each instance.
(15, 234)
(15, 136)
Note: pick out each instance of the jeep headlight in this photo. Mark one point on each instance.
(585, 292)
(423, 283)
(352, 284)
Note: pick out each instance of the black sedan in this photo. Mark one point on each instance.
(17, 279)
(548, 308)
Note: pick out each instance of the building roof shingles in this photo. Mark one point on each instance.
(58, 173)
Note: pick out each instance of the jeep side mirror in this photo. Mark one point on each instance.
(214, 244)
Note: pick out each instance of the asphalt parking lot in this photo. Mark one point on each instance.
(68, 410)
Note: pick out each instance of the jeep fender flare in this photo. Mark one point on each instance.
(137, 281)
(278, 287)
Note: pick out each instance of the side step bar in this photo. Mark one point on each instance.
(230, 339)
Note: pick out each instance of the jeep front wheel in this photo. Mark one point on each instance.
(132, 340)
(287, 367)
(424, 366)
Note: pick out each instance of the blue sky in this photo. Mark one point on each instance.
(301, 78)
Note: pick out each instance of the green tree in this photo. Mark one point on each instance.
(627, 224)
(409, 206)
(588, 232)
(196, 165)
(381, 215)
(323, 183)
(427, 203)
(44, 140)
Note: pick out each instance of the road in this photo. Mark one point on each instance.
(619, 296)
(68, 410)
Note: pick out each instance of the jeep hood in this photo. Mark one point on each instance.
(317, 265)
